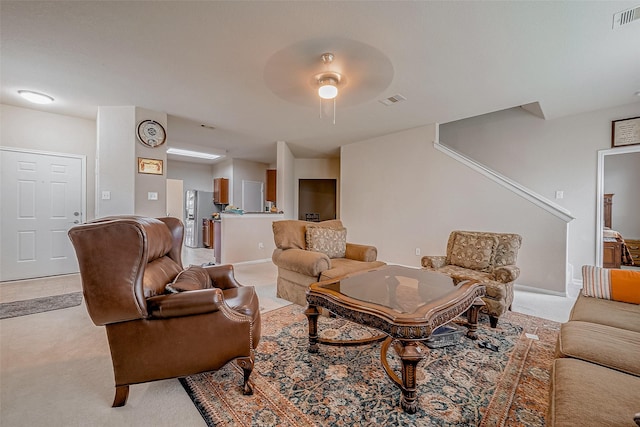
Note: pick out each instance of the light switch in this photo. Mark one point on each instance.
(152, 195)
(559, 194)
(106, 195)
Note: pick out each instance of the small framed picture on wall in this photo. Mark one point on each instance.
(150, 166)
(625, 132)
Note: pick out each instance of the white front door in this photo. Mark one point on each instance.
(42, 198)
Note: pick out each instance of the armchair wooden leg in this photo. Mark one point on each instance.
(122, 393)
(246, 363)
(493, 321)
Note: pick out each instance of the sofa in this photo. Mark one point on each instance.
(484, 256)
(307, 252)
(595, 380)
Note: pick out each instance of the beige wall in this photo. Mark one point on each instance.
(145, 183)
(36, 130)
(546, 156)
(286, 182)
(399, 194)
(247, 237)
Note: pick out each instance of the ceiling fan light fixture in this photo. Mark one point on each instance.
(328, 88)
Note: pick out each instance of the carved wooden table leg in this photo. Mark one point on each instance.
(472, 319)
(312, 314)
(411, 354)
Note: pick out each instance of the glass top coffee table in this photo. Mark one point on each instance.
(406, 304)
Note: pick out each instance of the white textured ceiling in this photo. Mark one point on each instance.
(209, 62)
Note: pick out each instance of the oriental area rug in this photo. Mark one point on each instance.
(460, 385)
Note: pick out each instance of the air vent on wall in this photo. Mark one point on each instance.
(626, 16)
(393, 99)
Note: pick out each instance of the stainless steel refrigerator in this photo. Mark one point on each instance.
(198, 205)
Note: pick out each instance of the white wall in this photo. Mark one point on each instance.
(245, 170)
(399, 193)
(316, 169)
(194, 176)
(116, 158)
(545, 156)
(622, 178)
(247, 237)
(145, 183)
(36, 130)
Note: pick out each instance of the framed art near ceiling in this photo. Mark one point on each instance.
(150, 166)
(625, 132)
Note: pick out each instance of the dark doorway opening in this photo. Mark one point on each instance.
(316, 199)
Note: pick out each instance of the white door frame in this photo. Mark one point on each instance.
(600, 193)
(83, 171)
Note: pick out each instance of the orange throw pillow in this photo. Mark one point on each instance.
(625, 286)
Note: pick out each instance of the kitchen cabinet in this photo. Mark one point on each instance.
(221, 191)
(271, 185)
(207, 233)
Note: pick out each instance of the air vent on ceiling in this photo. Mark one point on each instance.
(393, 99)
(626, 16)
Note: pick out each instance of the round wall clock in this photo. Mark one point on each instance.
(151, 133)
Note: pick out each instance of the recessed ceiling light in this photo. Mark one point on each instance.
(189, 153)
(35, 97)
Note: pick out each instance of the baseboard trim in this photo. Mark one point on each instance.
(254, 261)
(539, 290)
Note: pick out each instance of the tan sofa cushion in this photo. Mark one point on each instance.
(604, 312)
(291, 233)
(583, 393)
(330, 241)
(342, 266)
(475, 251)
(604, 345)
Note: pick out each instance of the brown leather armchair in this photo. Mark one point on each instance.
(125, 264)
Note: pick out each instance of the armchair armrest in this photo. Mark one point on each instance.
(185, 303)
(506, 273)
(363, 253)
(434, 261)
(222, 276)
(301, 261)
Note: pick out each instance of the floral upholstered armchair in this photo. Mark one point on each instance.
(487, 257)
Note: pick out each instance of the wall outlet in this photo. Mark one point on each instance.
(559, 194)
(106, 195)
(417, 251)
(152, 195)
(260, 245)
